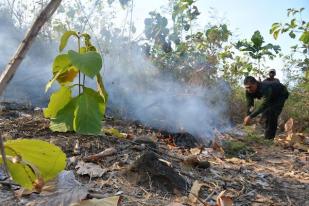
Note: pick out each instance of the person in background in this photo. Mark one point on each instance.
(271, 78)
(273, 94)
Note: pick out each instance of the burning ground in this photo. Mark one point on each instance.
(146, 166)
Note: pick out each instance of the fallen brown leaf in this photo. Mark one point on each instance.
(216, 145)
(64, 191)
(91, 169)
(195, 151)
(223, 200)
(194, 193)
(191, 160)
(288, 126)
(23, 192)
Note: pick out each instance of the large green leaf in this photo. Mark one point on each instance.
(67, 71)
(292, 34)
(257, 39)
(101, 88)
(63, 122)
(89, 63)
(39, 155)
(90, 108)
(61, 62)
(293, 24)
(82, 114)
(65, 37)
(67, 76)
(276, 34)
(99, 99)
(22, 174)
(305, 37)
(60, 65)
(57, 101)
(274, 27)
(50, 82)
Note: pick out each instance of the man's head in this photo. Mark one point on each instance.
(272, 73)
(250, 84)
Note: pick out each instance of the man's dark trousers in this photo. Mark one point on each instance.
(271, 118)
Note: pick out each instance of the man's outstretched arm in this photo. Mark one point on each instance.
(264, 105)
(250, 103)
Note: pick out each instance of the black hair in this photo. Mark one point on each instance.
(249, 79)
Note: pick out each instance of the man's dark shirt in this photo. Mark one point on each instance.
(271, 80)
(270, 92)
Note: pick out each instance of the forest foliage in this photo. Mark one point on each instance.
(173, 42)
(178, 46)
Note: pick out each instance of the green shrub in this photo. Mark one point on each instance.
(297, 107)
(237, 106)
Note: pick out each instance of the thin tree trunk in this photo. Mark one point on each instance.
(12, 66)
(3, 156)
(25, 45)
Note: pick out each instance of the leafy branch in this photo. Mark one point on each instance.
(84, 112)
(296, 25)
(256, 49)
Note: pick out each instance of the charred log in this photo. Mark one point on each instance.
(149, 171)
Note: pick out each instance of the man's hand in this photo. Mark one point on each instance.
(247, 120)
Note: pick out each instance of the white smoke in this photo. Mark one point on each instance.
(138, 90)
(27, 86)
(136, 87)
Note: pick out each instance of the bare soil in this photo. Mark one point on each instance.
(270, 175)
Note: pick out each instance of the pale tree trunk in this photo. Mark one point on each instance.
(25, 45)
(12, 66)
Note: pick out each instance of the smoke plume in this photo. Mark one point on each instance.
(136, 88)
(27, 86)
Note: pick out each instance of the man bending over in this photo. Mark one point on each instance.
(273, 95)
